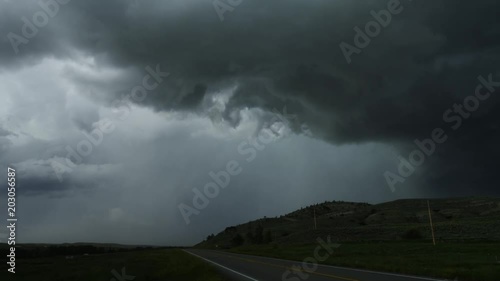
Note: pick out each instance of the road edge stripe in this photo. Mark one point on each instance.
(343, 268)
(226, 268)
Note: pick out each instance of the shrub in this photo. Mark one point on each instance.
(237, 240)
(412, 234)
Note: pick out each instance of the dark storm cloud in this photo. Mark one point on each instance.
(287, 52)
(46, 184)
(4, 132)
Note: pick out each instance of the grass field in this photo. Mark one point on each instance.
(465, 261)
(171, 264)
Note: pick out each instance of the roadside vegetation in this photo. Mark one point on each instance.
(392, 237)
(158, 264)
(451, 260)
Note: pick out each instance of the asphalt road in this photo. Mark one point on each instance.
(238, 267)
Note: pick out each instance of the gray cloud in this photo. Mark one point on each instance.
(262, 57)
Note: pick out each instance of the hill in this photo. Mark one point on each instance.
(456, 219)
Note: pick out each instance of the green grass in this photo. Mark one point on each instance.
(171, 264)
(465, 261)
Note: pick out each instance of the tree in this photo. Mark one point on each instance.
(259, 234)
(413, 234)
(250, 238)
(268, 237)
(237, 240)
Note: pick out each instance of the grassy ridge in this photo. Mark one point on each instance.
(172, 264)
(455, 219)
(465, 261)
(392, 236)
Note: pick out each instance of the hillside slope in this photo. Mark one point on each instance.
(454, 219)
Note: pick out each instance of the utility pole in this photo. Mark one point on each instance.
(430, 219)
(315, 226)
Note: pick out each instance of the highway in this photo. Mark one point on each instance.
(237, 267)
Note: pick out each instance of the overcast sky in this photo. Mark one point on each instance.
(289, 91)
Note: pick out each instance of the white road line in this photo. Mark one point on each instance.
(347, 268)
(384, 273)
(241, 274)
